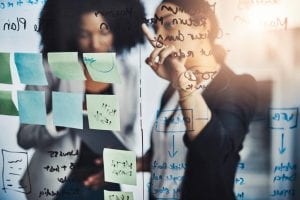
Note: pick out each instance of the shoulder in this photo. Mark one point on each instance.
(243, 80)
(242, 94)
(236, 104)
(239, 91)
(244, 85)
(229, 84)
(237, 80)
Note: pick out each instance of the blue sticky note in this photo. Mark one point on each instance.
(30, 68)
(32, 107)
(67, 109)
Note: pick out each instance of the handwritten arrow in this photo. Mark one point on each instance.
(282, 148)
(173, 154)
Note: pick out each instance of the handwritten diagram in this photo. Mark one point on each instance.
(284, 122)
(14, 164)
(102, 67)
(176, 122)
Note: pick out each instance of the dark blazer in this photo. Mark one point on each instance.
(213, 155)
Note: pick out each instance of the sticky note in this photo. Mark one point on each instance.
(7, 106)
(119, 166)
(5, 74)
(30, 68)
(65, 65)
(103, 112)
(102, 67)
(32, 107)
(67, 109)
(117, 195)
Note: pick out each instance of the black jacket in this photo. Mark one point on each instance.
(213, 155)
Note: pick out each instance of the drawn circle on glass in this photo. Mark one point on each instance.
(105, 67)
(206, 75)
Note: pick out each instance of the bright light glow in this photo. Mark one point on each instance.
(262, 18)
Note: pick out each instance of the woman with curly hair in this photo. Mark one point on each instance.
(81, 26)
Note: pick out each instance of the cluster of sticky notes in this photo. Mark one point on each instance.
(119, 166)
(67, 108)
(103, 110)
(117, 195)
(101, 67)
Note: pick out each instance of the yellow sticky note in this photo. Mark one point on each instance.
(119, 166)
(102, 67)
(65, 65)
(116, 195)
(103, 112)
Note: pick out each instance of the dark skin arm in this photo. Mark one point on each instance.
(95, 180)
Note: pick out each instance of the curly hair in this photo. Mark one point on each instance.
(59, 22)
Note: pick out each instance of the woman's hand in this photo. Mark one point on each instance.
(168, 66)
(143, 164)
(96, 180)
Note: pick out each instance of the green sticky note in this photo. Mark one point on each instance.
(116, 195)
(119, 166)
(103, 112)
(5, 75)
(65, 65)
(7, 106)
(32, 107)
(102, 67)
